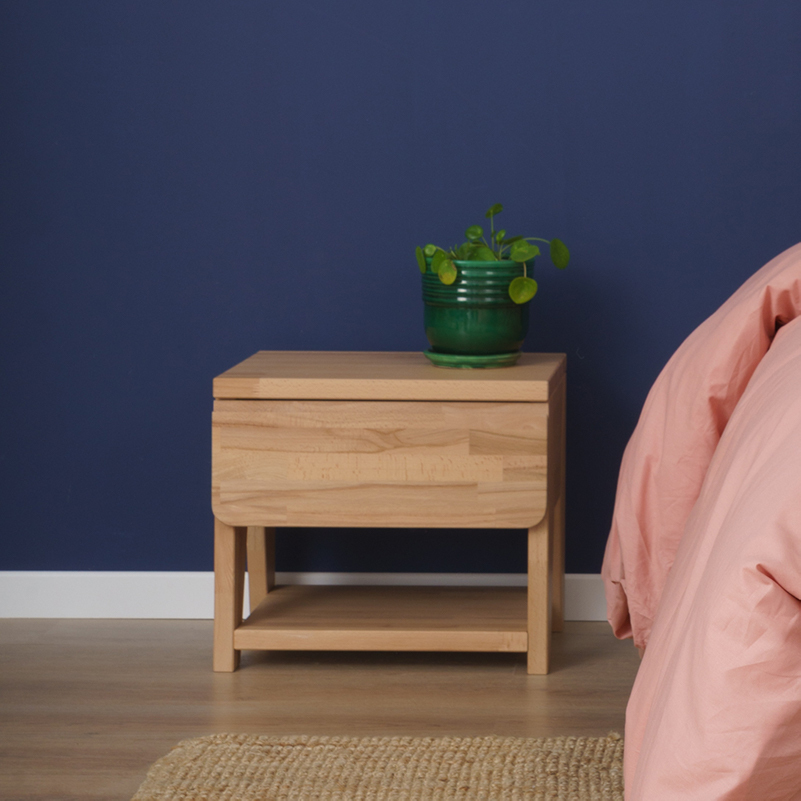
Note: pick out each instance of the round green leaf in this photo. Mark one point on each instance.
(496, 209)
(499, 235)
(437, 259)
(483, 253)
(560, 255)
(430, 250)
(421, 259)
(523, 251)
(474, 232)
(522, 289)
(447, 272)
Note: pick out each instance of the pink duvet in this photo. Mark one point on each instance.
(667, 458)
(703, 561)
(715, 712)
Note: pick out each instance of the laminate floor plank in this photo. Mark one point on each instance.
(87, 705)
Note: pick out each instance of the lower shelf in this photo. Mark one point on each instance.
(387, 619)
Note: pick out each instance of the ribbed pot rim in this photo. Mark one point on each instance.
(493, 263)
(478, 283)
(462, 280)
(482, 268)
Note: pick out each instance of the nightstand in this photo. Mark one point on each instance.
(386, 440)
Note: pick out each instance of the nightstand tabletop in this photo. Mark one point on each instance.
(351, 375)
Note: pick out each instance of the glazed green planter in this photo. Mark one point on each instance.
(474, 316)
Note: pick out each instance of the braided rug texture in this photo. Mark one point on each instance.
(238, 767)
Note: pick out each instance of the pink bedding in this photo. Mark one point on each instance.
(668, 456)
(715, 712)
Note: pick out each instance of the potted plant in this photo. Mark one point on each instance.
(476, 295)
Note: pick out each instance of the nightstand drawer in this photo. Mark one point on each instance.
(364, 463)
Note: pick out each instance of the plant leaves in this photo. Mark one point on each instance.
(496, 209)
(447, 272)
(464, 250)
(474, 232)
(499, 235)
(523, 251)
(430, 250)
(421, 259)
(522, 289)
(437, 259)
(483, 253)
(511, 239)
(560, 255)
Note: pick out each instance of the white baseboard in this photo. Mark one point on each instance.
(56, 594)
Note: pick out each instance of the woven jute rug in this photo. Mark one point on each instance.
(235, 767)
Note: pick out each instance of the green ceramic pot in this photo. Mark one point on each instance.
(474, 316)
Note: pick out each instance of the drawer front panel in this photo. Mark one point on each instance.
(379, 463)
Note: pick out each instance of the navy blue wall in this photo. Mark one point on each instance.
(184, 183)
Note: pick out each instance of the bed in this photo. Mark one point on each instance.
(703, 562)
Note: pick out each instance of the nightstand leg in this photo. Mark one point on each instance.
(229, 591)
(558, 567)
(556, 493)
(261, 563)
(539, 596)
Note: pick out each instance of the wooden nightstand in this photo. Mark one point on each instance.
(386, 440)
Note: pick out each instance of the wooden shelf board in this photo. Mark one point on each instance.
(388, 618)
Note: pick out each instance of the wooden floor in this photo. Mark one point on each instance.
(86, 705)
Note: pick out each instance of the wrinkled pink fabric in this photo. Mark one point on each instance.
(715, 713)
(681, 423)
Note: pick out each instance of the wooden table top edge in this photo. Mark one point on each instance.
(384, 375)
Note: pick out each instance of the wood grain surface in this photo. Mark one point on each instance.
(338, 375)
(379, 463)
(388, 619)
(88, 705)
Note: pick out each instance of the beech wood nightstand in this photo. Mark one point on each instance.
(351, 439)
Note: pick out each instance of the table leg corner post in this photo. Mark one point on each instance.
(539, 597)
(558, 567)
(260, 563)
(229, 585)
(556, 491)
